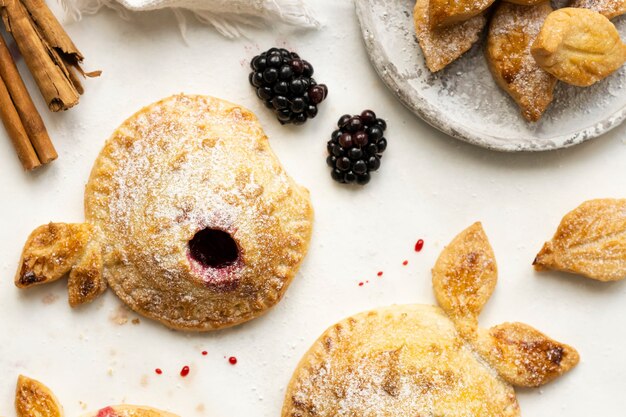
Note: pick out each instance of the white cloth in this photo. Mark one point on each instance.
(227, 16)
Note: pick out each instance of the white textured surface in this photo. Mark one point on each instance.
(430, 186)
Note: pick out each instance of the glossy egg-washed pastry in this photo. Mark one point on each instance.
(418, 360)
(34, 399)
(190, 219)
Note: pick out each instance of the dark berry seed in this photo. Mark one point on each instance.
(360, 167)
(343, 120)
(298, 105)
(316, 94)
(382, 124)
(373, 163)
(363, 179)
(335, 135)
(360, 138)
(354, 124)
(307, 69)
(280, 102)
(299, 119)
(264, 93)
(281, 87)
(338, 151)
(349, 177)
(311, 111)
(355, 153)
(368, 117)
(343, 163)
(331, 160)
(270, 75)
(371, 149)
(274, 60)
(336, 175)
(285, 72)
(375, 133)
(297, 86)
(345, 140)
(382, 145)
(297, 66)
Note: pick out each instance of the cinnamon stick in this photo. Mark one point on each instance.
(45, 63)
(17, 134)
(29, 116)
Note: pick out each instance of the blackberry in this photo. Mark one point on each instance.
(285, 83)
(356, 147)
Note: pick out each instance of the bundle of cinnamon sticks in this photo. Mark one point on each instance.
(54, 62)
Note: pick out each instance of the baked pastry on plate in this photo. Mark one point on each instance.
(512, 31)
(34, 399)
(445, 13)
(190, 219)
(443, 46)
(609, 8)
(418, 360)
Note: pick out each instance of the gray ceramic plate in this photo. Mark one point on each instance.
(464, 101)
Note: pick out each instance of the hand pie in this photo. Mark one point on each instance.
(512, 31)
(443, 46)
(526, 2)
(34, 399)
(190, 219)
(590, 241)
(419, 360)
(609, 8)
(579, 46)
(445, 13)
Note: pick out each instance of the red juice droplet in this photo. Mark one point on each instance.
(380, 273)
(360, 284)
(185, 371)
(158, 371)
(204, 353)
(405, 263)
(232, 360)
(419, 245)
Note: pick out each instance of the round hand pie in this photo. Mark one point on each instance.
(417, 360)
(579, 46)
(190, 218)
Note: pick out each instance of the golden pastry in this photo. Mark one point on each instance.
(440, 47)
(526, 2)
(512, 31)
(609, 8)
(190, 219)
(590, 241)
(34, 399)
(417, 360)
(579, 46)
(445, 13)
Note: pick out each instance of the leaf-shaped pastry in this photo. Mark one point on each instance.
(34, 399)
(441, 47)
(444, 13)
(50, 252)
(524, 356)
(464, 277)
(591, 241)
(579, 46)
(609, 8)
(86, 281)
(129, 411)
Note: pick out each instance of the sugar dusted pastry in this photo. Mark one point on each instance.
(526, 2)
(445, 13)
(512, 31)
(609, 8)
(34, 399)
(418, 360)
(190, 219)
(579, 46)
(441, 47)
(590, 241)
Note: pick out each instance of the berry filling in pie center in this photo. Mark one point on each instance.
(213, 248)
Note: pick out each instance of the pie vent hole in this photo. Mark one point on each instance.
(214, 248)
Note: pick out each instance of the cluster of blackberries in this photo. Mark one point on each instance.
(285, 83)
(355, 149)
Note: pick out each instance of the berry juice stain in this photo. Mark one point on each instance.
(107, 412)
(204, 353)
(405, 263)
(419, 245)
(360, 284)
(158, 371)
(185, 371)
(380, 273)
(232, 360)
